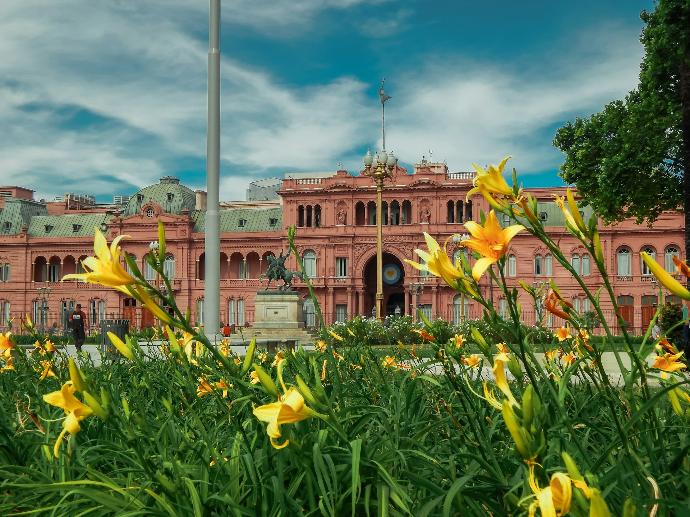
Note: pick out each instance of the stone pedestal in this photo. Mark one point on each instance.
(276, 309)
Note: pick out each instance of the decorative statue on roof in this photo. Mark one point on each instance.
(276, 270)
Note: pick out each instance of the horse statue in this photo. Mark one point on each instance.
(276, 270)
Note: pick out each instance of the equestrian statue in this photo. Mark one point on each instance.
(276, 270)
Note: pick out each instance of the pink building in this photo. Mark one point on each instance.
(335, 216)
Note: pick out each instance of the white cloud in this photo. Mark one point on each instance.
(476, 112)
(139, 66)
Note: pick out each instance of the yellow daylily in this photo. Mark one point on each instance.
(224, 348)
(122, 347)
(490, 397)
(458, 340)
(47, 370)
(500, 361)
(568, 358)
(289, 408)
(254, 377)
(436, 261)
(9, 364)
(204, 388)
(664, 277)
(490, 182)
(490, 241)
(222, 385)
(573, 219)
(280, 356)
(472, 361)
(669, 362)
(562, 334)
(335, 336)
(389, 362)
(105, 267)
(553, 500)
(6, 345)
(550, 355)
(76, 411)
(320, 345)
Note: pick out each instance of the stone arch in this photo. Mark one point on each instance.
(69, 265)
(360, 214)
(253, 265)
(223, 265)
(236, 265)
(40, 269)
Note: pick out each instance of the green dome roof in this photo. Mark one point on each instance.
(168, 194)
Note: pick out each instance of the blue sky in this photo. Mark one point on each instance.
(105, 97)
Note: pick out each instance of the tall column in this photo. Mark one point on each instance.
(407, 302)
(212, 235)
(331, 306)
(434, 302)
(350, 309)
(360, 302)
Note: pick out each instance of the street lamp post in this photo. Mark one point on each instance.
(379, 168)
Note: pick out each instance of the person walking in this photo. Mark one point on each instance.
(77, 321)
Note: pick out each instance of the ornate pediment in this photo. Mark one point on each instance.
(425, 182)
(340, 186)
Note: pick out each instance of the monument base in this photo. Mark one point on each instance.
(276, 309)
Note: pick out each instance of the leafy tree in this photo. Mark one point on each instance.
(629, 160)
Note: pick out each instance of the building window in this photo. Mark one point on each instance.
(575, 262)
(309, 313)
(240, 312)
(548, 265)
(96, 311)
(4, 312)
(461, 309)
(170, 196)
(309, 260)
(451, 212)
(586, 264)
(66, 308)
(506, 220)
(503, 308)
(242, 273)
(169, 266)
(669, 265)
(341, 312)
(150, 212)
(538, 266)
(652, 253)
(80, 266)
(341, 267)
(273, 221)
(4, 272)
(54, 272)
(543, 216)
(512, 265)
(242, 223)
(7, 227)
(149, 272)
(623, 262)
(49, 228)
(232, 315)
(426, 310)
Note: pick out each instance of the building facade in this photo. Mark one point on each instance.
(335, 218)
